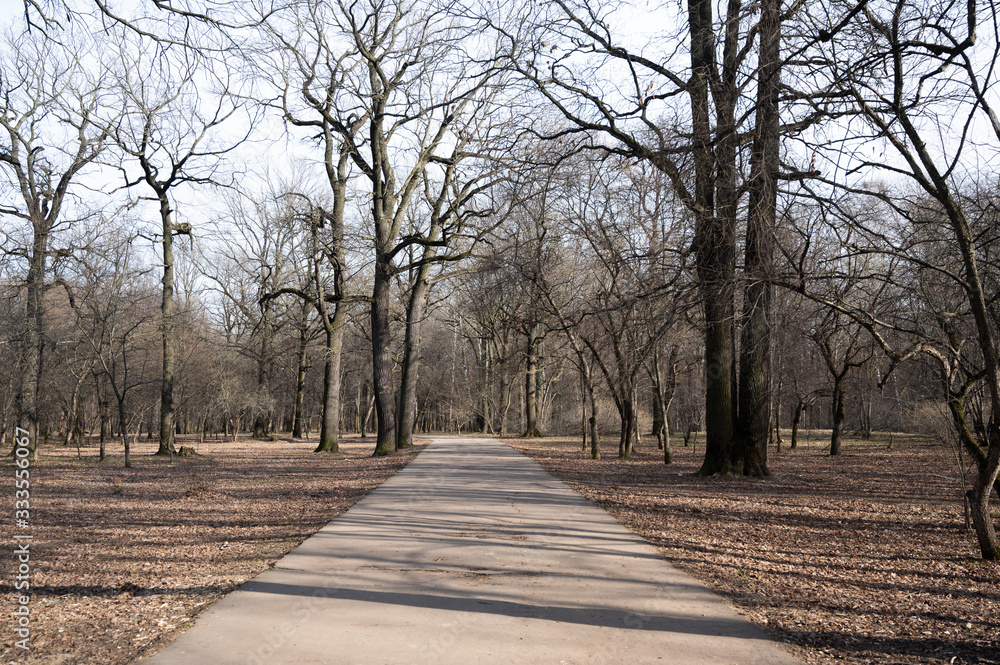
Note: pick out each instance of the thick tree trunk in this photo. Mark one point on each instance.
(329, 437)
(716, 200)
(407, 409)
(167, 332)
(32, 348)
(381, 359)
(754, 423)
(838, 416)
(531, 429)
(719, 432)
(300, 382)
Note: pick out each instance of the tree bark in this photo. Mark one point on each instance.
(754, 420)
(300, 381)
(796, 419)
(329, 437)
(665, 389)
(715, 219)
(630, 422)
(531, 429)
(385, 442)
(167, 332)
(34, 336)
(838, 415)
(407, 409)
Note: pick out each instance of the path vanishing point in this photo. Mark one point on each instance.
(473, 554)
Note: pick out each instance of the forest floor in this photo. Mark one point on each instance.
(859, 559)
(122, 560)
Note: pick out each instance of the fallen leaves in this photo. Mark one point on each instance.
(124, 560)
(861, 559)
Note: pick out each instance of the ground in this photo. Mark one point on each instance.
(122, 560)
(859, 559)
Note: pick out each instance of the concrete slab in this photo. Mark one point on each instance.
(473, 554)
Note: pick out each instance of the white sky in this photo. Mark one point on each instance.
(11, 10)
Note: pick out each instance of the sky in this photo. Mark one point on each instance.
(11, 10)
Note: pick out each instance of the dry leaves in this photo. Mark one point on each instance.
(123, 560)
(861, 559)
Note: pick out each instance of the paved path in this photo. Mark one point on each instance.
(473, 554)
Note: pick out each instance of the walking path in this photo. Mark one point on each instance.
(473, 554)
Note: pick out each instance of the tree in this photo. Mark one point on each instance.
(49, 137)
(395, 89)
(842, 349)
(255, 257)
(167, 132)
(115, 319)
(914, 74)
(687, 119)
(461, 208)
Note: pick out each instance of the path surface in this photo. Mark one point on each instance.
(473, 554)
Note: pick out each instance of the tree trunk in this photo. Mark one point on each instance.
(715, 204)
(754, 422)
(385, 442)
(167, 332)
(407, 409)
(262, 421)
(531, 429)
(124, 432)
(300, 381)
(838, 415)
(583, 411)
(796, 419)
(102, 414)
(986, 534)
(665, 388)
(659, 422)
(776, 419)
(366, 421)
(34, 338)
(329, 436)
(630, 423)
(718, 308)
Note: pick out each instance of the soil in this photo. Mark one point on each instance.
(122, 560)
(861, 559)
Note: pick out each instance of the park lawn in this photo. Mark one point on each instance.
(124, 560)
(858, 559)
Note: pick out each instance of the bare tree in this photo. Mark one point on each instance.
(115, 319)
(404, 84)
(685, 113)
(255, 256)
(168, 134)
(914, 73)
(49, 137)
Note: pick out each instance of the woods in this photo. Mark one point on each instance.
(568, 217)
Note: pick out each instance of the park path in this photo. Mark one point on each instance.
(472, 554)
